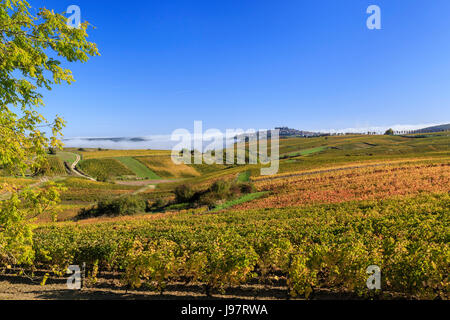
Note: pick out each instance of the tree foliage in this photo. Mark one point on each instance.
(32, 49)
(389, 132)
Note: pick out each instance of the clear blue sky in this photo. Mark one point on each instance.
(256, 64)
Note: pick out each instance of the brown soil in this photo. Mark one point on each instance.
(108, 287)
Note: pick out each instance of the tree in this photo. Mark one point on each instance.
(32, 48)
(389, 132)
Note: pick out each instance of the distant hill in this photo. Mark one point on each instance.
(442, 127)
(112, 139)
(288, 132)
(285, 132)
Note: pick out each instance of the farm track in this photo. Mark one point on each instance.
(143, 182)
(74, 169)
(144, 188)
(42, 180)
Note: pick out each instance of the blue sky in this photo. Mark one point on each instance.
(256, 64)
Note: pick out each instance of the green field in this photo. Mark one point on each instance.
(68, 157)
(244, 176)
(139, 169)
(307, 151)
(245, 198)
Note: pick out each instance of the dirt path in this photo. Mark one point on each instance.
(145, 188)
(42, 180)
(74, 169)
(143, 182)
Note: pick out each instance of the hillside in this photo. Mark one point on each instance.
(439, 128)
(340, 200)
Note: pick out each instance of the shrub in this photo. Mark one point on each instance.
(221, 188)
(208, 199)
(246, 187)
(157, 204)
(184, 193)
(102, 177)
(229, 189)
(219, 191)
(127, 205)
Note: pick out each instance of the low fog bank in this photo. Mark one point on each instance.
(154, 143)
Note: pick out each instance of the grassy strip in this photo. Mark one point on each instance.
(68, 157)
(138, 168)
(244, 176)
(245, 198)
(307, 151)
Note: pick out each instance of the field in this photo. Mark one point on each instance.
(104, 168)
(337, 205)
(55, 167)
(369, 183)
(307, 151)
(78, 189)
(68, 157)
(306, 250)
(138, 168)
(164, 167)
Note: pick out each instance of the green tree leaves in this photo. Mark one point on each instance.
(32, 48)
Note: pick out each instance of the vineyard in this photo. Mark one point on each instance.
(357, 184)
(85, 190)
(55, 167)
(104, 169)
(164, 167)
(222, 153)
(305, 249)
(337, 206)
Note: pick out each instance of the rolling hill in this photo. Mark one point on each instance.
(439, 128)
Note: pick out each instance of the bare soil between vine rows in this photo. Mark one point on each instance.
(108, 287)
(14, 287)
